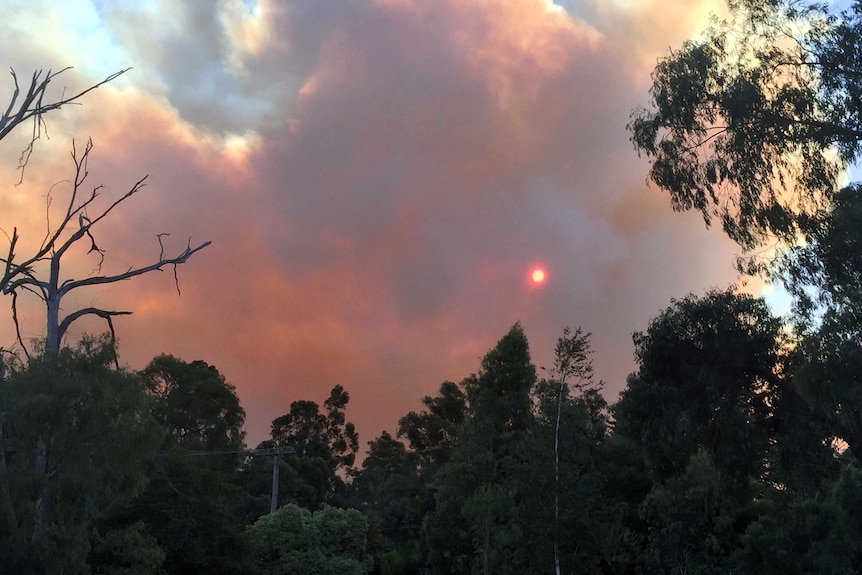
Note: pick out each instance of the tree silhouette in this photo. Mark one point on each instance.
(33, 104)
(24, 274)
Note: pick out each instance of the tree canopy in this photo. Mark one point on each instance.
(752, 123)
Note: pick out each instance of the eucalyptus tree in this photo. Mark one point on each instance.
(319, 469)
(824, 276)
(326, 435)
(76, 437)
(752, 123)
(705, 409)
(50, 450)
(191, 504)
(431, 433)
(572, 367)
(708, 378)
(475, 526)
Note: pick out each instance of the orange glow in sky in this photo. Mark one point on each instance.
(537, 275)
(363, 190)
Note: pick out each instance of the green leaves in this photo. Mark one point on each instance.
(312, 433)
(76, 436)
(691, 520)
(707, 378)
(327, 542)
(431, 432)
(197, 407)
(189, 504)
(744, 124)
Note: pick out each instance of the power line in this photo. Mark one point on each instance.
(252, 452)
(274, 452)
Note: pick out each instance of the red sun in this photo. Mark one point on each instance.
(538, 276)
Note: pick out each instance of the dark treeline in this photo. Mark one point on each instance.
(730, 450)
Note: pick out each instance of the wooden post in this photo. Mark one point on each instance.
(275, 452)
(275, 466)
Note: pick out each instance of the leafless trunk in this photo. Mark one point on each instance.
(557, 478)
(571, 360)
(20, 276)
(31, 105)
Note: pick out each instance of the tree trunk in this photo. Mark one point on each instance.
(43, 502)
(557, 480)
(52, 335)
(486, 555)
(52, 303)
(8, 510)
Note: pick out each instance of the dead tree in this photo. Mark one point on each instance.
(27, 274)
(31, 105)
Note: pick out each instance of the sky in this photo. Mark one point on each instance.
(378, 179)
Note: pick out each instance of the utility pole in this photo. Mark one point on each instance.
(276, 453)
(276, 461)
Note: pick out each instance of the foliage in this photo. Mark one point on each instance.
(752, 123)
(824, 275)
(191, 502)
(315, 434)
(76, 435)
(716, 463)
(572, 368)
(621, 531)
(702, 411)
(707, 379)
(475, 525)
(325, 447)
(796, 536)
(396, 482)
(330, 541)
(390, 487)
(126, 550)
(691, 520)
(198, 409)
(431, 432)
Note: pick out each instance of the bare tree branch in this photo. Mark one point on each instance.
(69, 285)
(161, 245)
(18, 325)
(102, 313)
(77, 225)
(34, 105)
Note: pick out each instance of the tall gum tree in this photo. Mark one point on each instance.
(572, 367)
(753, 125)
(475, 527)
(709, 374)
